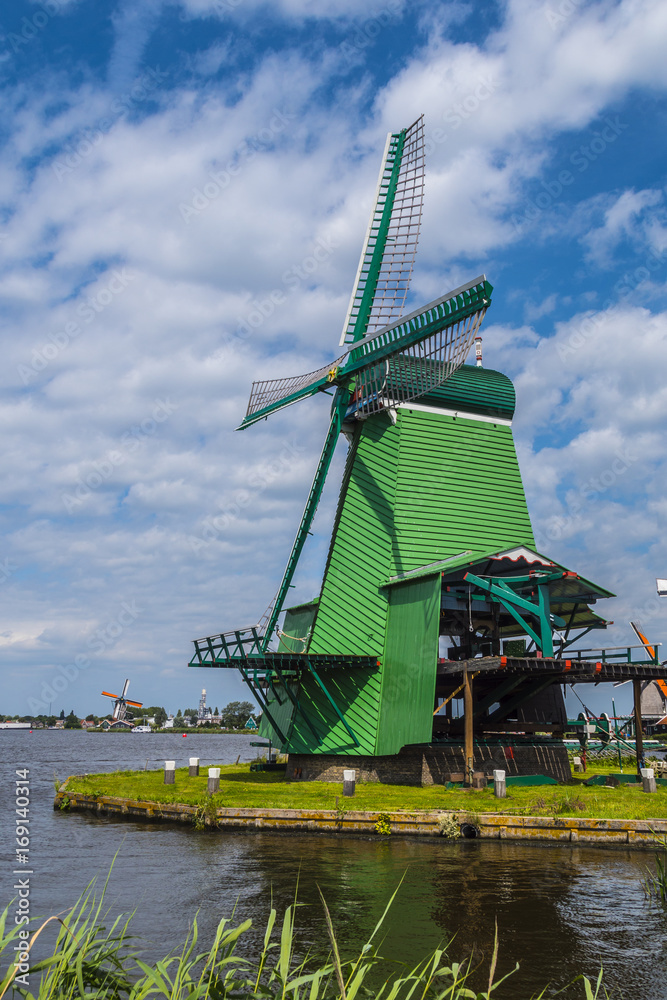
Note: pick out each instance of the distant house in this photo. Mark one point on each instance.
(169, 724)
(118, 724)
(86, 723)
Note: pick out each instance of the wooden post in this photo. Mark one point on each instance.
(349, 782)
(169, 772)
(467, 723)
(639, 735)
(213, 784)
(193, 770)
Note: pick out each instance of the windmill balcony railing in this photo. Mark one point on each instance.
(617, 654)
(234, 645)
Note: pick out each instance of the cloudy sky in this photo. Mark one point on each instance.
(173, 169)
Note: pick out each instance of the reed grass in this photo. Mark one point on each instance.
(90, 961)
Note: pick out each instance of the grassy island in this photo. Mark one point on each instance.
(241, 788)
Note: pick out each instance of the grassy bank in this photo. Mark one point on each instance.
(241, 788)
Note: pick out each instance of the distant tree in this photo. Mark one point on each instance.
(160, 716)
(62, 713)
(216, 711)
(235, 715)
(90, 718)
(178, 714)
(72, 722)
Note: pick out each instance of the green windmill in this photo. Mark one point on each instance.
(431, 493)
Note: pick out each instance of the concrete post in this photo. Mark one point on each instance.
(349, 782)
(213, 785)
(193, 770)
(169, 772)
(578, 766)
(648, 779)
(499, 786)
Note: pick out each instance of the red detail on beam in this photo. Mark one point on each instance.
(598, 668)
(503, 661)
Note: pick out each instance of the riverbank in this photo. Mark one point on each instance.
(594, 814)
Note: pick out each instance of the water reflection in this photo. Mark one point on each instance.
(560, 910)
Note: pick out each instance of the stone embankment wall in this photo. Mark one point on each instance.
(433, 765)
(597, 832)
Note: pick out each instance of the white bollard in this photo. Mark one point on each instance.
(193, 770)
(213, 780)
(499, 786)
(349, 782)
(648, 779)
(169, 772)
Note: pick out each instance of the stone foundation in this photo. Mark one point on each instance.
(433, 764)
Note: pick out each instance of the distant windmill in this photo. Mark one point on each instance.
(121, 702)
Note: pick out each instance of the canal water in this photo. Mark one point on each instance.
(561, 911)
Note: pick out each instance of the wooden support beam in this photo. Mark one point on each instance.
(468, 731)
(454, 694)
(639, 735)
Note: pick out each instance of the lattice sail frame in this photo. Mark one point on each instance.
(421, 368)
(270, 391)
(396, 238)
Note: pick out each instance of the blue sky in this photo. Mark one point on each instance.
(167, 169)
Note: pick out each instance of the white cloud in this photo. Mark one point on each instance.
(192, 520)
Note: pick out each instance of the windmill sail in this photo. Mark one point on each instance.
(388, 253)
(418, 354)
(404, 360)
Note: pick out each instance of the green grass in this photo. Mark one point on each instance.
(241, 788)
(92, 960)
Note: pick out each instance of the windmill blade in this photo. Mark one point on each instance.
(268, 396)
(337, 416)
(410, 358)
(388, 253)
(125, 687)
(137, 704)
(107, 694)
(636, 628)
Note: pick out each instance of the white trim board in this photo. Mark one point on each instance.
(464, 414)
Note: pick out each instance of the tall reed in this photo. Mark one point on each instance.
(92, 962)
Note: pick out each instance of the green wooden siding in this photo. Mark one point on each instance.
(410, 663)
(476, 390)
(458, 486)
(425, 488)
(356, 693)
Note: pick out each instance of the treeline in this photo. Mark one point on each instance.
(235, 715)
